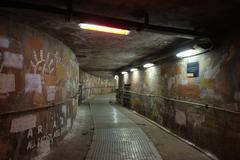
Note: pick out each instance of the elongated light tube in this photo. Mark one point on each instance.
(187, 53)
(99, 28)
(147, 65)
(124, 72)
(133, 69)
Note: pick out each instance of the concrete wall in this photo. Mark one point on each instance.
(39, 79)
(92, 85)
(218, 86)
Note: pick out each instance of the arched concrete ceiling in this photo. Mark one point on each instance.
(103, 52)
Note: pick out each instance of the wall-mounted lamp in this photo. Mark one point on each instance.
(133, 69)
(147, 65)
(187, 53)
(106, 29)
(124, 73)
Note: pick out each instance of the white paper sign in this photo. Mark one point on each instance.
(4, 42)
(13, 60)
(7, 83)
(69, 123)
(51, 91)
(64, 110)
(184, 82)
(23, 123)
(180, 118)
(33, 83)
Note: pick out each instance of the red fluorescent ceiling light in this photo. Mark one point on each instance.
(94, 27)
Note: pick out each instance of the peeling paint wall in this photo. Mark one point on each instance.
(39, 79)
(218, 85)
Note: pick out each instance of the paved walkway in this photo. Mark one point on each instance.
(76, 144)
(119, 134)
(116, 137)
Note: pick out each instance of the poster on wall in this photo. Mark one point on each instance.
(4, 42)
(51, 91)
(23, 123)
(33, 83)
(13, 60)
(193, 69)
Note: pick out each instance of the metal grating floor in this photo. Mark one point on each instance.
(118, 138)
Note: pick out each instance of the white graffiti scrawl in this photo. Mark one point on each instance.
(58, 58)
(42, 65)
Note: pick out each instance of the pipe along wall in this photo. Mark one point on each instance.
(213, 122)
(39, 79)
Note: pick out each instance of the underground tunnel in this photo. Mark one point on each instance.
(119, 80)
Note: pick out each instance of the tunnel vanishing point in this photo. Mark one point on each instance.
(119, 80)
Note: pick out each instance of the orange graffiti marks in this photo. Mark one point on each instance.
(190, 91)
(35, 43)
(49, 80)
(171, 69)
(38, 98)
(32, 44)
(178, 69)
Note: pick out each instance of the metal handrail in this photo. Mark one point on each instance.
(98, 87)
(184, 101)
(42, 107)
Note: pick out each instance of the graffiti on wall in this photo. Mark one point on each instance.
(93, 85)
(217, 84)
(42, 65)
(30, 78)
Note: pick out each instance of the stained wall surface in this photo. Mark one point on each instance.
(39, 79)
(212, 123)
(92, 85)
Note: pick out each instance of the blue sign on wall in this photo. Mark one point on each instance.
(193, 68)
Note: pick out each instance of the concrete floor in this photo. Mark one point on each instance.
(119, 133)
(76, 144)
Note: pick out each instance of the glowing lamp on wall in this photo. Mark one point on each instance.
(147, 65)
(94, 27)
(187, 53)
(133, 69)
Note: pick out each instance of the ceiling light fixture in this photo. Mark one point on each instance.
(147, 65)
(187, 53)
(94, 27)
(124, 72)
(133, 69)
